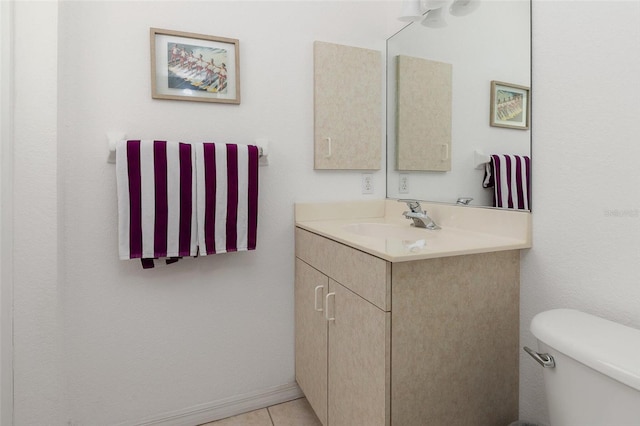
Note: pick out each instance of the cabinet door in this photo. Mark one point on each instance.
(424, 114)
(347, 107)
(311, 336)
(359, 356)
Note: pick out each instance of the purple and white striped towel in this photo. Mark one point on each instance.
(510, 177)
(227, 194)
(156, 203)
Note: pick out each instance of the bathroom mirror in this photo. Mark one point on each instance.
(493, 43)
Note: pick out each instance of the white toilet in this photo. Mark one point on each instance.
(596, 377)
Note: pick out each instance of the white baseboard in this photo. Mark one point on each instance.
(215, 410)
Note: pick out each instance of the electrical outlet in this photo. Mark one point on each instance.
(367, 183)
(403, 187)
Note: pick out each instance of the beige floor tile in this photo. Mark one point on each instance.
(294, 413)
(252, 418)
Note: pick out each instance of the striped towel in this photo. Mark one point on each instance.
(227, 197)
(156, 203)
(510, 176)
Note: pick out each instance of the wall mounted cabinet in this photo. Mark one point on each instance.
(347, 107)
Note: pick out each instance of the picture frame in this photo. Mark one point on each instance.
(510, 105)
(194, 67)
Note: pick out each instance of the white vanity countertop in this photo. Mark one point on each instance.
(378, 228)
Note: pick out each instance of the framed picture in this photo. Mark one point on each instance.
(509, 105)
(194, 67)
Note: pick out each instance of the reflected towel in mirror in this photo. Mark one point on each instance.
(510, 178)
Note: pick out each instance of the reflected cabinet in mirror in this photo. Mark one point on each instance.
(458, 98)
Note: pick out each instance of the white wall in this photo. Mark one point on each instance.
(38, 383)
(586, 214)
(6, 231)
(139, 344)
(492, 43)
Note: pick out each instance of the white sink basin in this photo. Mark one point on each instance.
(384, 233)
(389, 231)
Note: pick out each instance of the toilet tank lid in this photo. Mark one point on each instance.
(606, 346)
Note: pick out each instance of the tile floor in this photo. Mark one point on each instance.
(293, 413)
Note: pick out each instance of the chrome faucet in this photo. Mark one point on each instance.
(419, 217)
(464, 201)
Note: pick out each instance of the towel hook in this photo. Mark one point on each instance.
(479, 159)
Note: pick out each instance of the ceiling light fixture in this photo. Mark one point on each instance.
(431, 12)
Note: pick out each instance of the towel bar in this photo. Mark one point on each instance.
(114, 137)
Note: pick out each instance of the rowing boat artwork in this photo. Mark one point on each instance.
(194, 67)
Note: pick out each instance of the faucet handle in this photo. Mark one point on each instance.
(414, 205)
(465, 201)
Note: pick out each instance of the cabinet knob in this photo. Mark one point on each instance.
(316, 299)
(326, 312)
(328, 139)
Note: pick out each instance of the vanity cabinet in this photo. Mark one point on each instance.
(424, 342)
(312, 332)
(342, 339)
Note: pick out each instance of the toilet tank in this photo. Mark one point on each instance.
(596, 379)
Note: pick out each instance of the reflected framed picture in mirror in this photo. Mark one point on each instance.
(509, 105)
